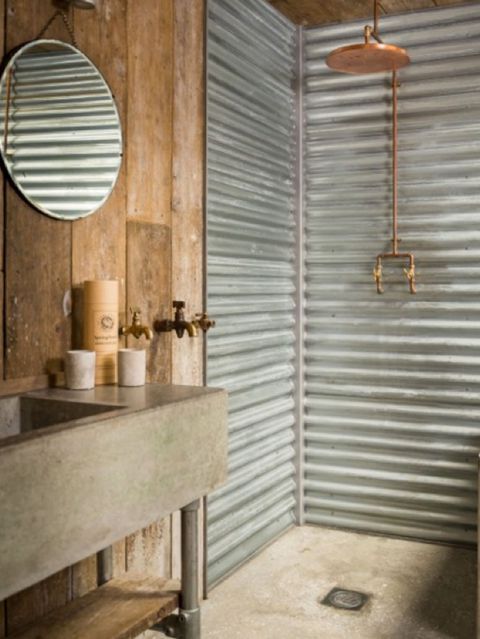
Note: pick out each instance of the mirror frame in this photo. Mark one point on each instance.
(8, 63)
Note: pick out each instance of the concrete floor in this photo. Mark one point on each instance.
(418, 591)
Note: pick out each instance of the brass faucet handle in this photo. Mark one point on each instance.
(178, 304)
(136, 314)
(410, 275)
(377, 276)
(204, 322)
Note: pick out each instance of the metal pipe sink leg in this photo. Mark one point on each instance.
(189, 616)
(186, 625)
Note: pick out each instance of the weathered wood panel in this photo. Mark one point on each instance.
(148, 550)
(42, 267)
(188, 199)
(120, 609)
(84, 576)
(188, 181)
(149, 288)
(150, 99)
(38, 248)
(98, 241)
(119, 558)
(37, 258)
(35, 602)
(2, 620)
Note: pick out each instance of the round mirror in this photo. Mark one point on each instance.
(61, 138)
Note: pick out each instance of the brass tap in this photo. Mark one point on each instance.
(409, 272)
(377, 276)
(179, 324)
(136, 328)
(410, 275)
(367, 33)
(203, 322)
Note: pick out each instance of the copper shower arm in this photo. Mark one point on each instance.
(376, 12)
(372, 32)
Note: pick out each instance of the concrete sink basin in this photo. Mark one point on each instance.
(24, 413)
(79, 470)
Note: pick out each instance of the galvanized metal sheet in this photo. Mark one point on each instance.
(251, 271)
(392, 422)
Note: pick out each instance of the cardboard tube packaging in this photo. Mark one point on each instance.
(101, 327)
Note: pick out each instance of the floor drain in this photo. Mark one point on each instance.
(345, 599)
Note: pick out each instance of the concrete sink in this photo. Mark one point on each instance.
(24, 413)
(82, 469)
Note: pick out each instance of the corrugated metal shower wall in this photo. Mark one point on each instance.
(393, 382)
(251, 271)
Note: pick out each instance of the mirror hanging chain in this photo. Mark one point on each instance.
(66, 22)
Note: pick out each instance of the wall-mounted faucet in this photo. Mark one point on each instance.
(179, 324)
(136, 328)
(203, 322)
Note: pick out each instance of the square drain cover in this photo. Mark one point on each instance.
(345, 599)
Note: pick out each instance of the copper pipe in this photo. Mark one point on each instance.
(394, 164)
(378, 270)
(375, 34)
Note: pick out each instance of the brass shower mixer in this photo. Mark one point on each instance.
(409, 273)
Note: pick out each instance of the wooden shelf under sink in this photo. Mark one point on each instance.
(123, 608)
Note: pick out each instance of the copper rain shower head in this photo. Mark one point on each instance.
(375, 58)
(368, 57)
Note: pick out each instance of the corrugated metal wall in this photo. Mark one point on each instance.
(251, 271)
(393, 382)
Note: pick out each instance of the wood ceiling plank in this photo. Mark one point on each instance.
(400, 6)
(444, 3)
(346, 10)
(304, 11)
(316, 12)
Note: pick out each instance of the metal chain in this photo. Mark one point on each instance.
(66, 22)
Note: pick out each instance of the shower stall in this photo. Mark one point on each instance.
(348, 409)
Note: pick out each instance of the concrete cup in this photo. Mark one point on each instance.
(131, 367)
(80, 369)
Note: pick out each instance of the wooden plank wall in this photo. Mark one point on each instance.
(149, 234)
